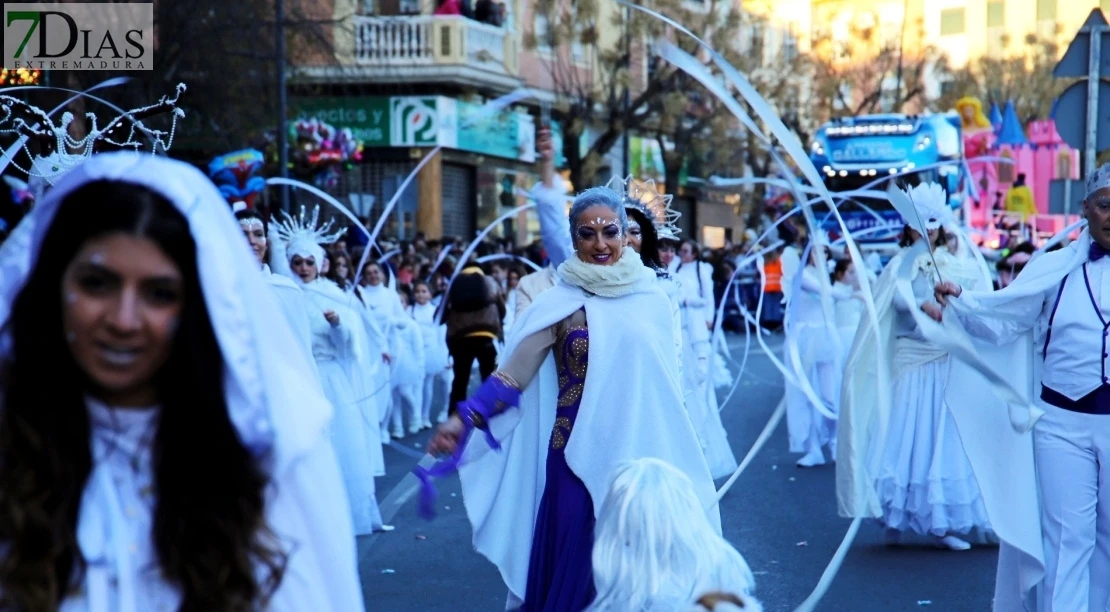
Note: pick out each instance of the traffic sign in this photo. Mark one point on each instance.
(1071, 115)
(1075, 62)
(1082, 112)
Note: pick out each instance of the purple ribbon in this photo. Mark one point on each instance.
(492, 398)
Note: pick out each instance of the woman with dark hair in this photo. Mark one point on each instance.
(177, 459)
(920, 479)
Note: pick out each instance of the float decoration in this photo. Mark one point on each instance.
(239, 176)
(319, 150)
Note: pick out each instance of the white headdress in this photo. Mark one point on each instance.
(60, 152)
(301, 235)
(926, 205)
(1098, 179)
(269, 399)
(645, 197)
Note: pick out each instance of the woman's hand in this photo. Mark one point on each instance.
(331, 317)
(945, 289)
(545, 147)
(446, 438)
(934, 310)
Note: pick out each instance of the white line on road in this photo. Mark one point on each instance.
(398, 497)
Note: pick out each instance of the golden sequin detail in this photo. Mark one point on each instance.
(558, 438)
(571, 363)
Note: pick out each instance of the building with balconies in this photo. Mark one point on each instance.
(407, 81)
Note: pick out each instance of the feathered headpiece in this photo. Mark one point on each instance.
(924, 208)
(301, 235)
(59, 152)
(644, 197)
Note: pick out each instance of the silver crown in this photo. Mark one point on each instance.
(645, 197)
(305, 227)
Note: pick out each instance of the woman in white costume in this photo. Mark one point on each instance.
(922, 475)
(437, 360)
(695, 299)
(407, 377)
(655, 549)
(811, 330)
(161, 338)
(336, 333)
(371, 357)
(384, 305)
(847, 312)
(533, 504)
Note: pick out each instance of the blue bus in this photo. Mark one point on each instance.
(853, 152)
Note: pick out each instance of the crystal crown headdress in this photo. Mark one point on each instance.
(644, 197)
(303, 229)
(59, 152)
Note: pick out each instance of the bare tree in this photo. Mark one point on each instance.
(614, 85)
(1024, 76)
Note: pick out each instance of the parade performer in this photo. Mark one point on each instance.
(696, 303)
(289, 295)
(364, 370)
(810, 328)
(437, 360)
(1059, 304)
(384, 306)
(921, 477)
(533, 502)
(655, 549)
(159, 334)
(337, 337)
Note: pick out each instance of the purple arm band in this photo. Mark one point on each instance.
(495, 396)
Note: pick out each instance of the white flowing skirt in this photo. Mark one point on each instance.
(807, 426)
(924, 481)
(348, 436)
(701, 405)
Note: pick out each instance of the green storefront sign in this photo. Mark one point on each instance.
(368, 118)
(407, 121)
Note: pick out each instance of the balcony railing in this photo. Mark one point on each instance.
(442, 41)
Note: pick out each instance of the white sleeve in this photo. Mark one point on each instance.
(554, 224)
(307, 510)
(980, 323)
(705, 273)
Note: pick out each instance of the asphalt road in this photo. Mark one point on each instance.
(781, 518)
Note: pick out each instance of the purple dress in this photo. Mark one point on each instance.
(560, 572)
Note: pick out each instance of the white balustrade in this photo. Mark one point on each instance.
(423, 40)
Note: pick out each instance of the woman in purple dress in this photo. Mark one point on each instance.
(591, 380)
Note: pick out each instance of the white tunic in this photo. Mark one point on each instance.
(117, 514)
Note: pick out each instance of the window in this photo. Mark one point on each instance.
(952, 22)
(1046, 10)
(790, 42)
(996, 14)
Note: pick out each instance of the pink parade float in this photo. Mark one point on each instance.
(1010, 150)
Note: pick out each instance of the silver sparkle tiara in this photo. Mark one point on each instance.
(59, 152)
(303, 227)
(645, 197)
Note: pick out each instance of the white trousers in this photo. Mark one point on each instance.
(1073, 468)
(432, 382)
(406, 403)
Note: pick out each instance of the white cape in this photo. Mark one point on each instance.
(1004, 462)
(631, 408)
